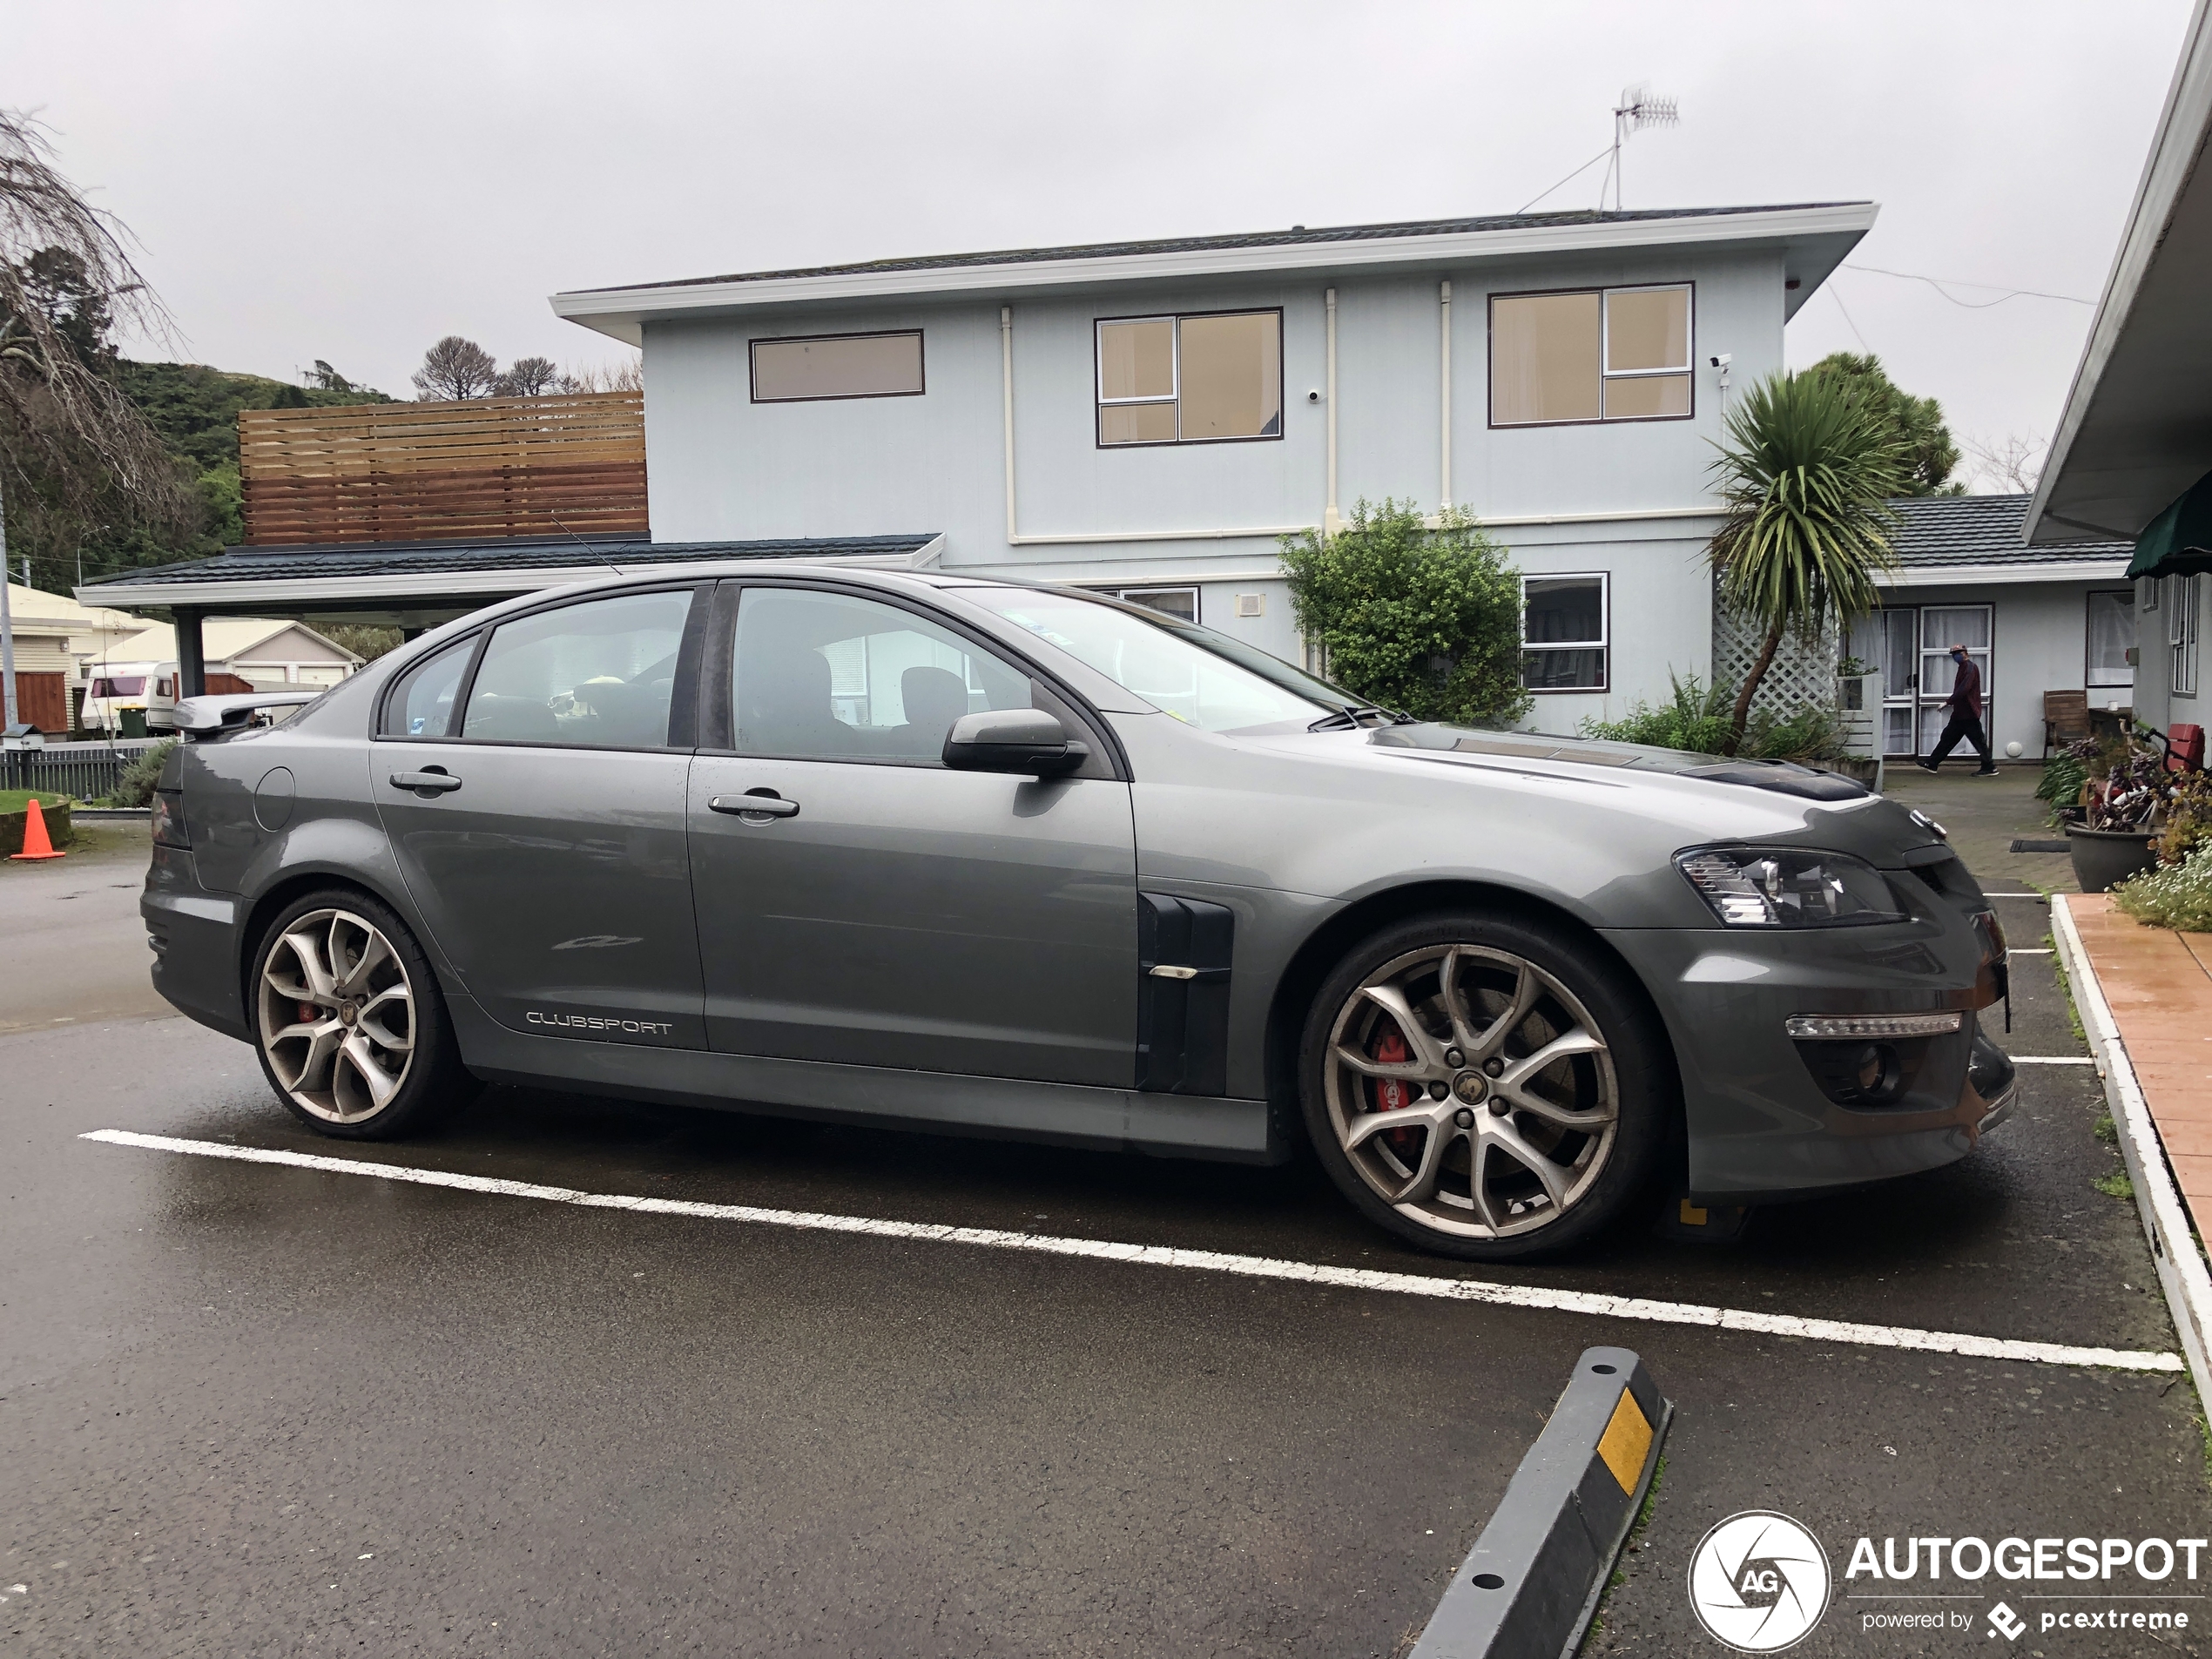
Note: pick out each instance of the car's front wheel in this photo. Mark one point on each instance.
(1486, 1086)
(351, 1031)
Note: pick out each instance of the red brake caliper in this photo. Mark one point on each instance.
(1394, 1094)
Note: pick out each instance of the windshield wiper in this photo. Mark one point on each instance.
(1349, 716)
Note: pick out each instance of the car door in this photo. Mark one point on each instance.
(531, 781)
(877, 908)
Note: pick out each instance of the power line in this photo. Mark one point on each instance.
(1938, 284)
(1836, 295)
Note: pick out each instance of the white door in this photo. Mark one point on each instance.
(1942, 627)
(1901, 676)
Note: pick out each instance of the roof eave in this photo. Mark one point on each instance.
(2180, 140)
(1820, 237)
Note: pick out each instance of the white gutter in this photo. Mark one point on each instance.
(1444, 490)
(1968, 576)
(2174, 151)
(620, 311)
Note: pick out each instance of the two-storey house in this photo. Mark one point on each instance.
(1149, 417)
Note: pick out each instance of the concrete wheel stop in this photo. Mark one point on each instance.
(1528, 1588)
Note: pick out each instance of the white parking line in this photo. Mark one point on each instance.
(2046, 1060)
(1353, 1278)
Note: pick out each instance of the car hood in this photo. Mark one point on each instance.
(1669, 794)
(1782, 777)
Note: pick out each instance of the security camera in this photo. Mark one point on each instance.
(1722, 360)
(1314, 397)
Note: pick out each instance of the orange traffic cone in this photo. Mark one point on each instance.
(35, 844)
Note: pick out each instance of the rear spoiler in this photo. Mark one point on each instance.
(213, 717)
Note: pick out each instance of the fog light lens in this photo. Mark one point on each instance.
(1877, 1069)
(1872, 1025)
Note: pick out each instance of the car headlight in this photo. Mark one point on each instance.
(1786, 887)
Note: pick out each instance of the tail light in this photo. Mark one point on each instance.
(169, 828)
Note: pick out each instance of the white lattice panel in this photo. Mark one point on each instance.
(1799, 675)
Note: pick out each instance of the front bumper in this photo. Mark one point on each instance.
(1761, 1127)
(193, 935)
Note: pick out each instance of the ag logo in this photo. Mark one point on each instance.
(1758, 1582)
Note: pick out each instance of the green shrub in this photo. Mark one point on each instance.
(1424, 620)
(135, 788)
(2064, 775)
(1696, 717)
(2175, 895)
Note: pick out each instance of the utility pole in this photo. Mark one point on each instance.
(7, 631)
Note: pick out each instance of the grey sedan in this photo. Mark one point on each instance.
(925, 852)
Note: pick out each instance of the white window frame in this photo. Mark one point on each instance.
(2181, 636)
(1606, 371)
(1602, 645)
(1127, 595)
(1174, 320)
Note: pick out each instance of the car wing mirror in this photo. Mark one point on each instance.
(1031, 742)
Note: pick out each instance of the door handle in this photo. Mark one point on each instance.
(756, 805)
(434, 782)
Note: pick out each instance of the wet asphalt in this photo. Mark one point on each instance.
(252, 1410)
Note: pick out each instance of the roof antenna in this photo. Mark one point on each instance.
(585, 545)
(1637, 109)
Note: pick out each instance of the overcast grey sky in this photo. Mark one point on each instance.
(350, 182)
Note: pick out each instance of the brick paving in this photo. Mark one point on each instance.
(2159, 985)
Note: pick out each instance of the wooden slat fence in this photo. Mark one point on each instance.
(404, 472)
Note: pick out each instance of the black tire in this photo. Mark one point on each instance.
(1574, 990)
(338, 1098)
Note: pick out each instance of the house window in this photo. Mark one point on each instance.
(2181, 635)
(1182, 604)
(2111, 636)
(1563, 633)
(1191, 379)
(826, 365)
(1600, 354)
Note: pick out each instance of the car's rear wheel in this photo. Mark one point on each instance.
(1486, 1086)
(351, 1030)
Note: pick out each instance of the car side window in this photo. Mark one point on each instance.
(598, 674)
(419, 704)
(823, 676)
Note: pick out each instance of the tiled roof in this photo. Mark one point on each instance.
(1968, 530)
(1294, 236)
(410, 558)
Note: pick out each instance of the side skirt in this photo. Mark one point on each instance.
(1108, 1119)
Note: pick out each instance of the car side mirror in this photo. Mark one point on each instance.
(1029, 742)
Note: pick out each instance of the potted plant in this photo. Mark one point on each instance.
(2117, 835)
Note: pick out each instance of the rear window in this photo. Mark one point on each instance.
(419, 704)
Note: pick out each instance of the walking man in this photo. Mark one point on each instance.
(1965, 704)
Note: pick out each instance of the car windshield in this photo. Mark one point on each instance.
(1202, 677)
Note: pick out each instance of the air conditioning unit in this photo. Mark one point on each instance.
(1252, 605)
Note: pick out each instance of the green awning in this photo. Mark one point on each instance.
(2178, 540)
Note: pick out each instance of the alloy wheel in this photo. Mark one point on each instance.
(337, 1015)
(1471, 1091)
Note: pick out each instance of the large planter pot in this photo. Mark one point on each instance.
(2102, 857)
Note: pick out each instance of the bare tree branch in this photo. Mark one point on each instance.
(62, 418)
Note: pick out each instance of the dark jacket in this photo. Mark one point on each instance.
(1966, 691)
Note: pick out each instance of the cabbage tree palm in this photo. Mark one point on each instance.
(1805, 471)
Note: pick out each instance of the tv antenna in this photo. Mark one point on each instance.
(1637, 110)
